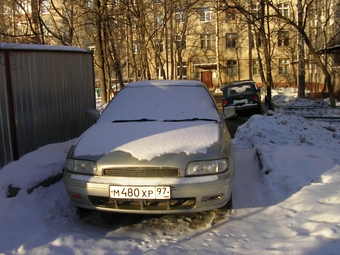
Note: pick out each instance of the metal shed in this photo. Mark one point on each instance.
(44, 93)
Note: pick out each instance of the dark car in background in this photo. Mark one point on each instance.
(243, 96)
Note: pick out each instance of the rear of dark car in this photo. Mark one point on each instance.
(242, 96)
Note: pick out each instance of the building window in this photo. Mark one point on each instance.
(256, 40)
(283, 66)
(336, 60)
(89, 27)
(66, 15)
(256, 10)
(136, 48)
(231, 68)
(231, 39)
(337, 11)
(66, 36)
(113, 3)
(88, 4)
(283, 38)
(256, 67)
(89, 46)
(284, 9)
(205, 14)
(184, 70)
(180, 16)
(158, 20)
(23, 7)
(206, 41)
(314, 19)
(6, 10)
(22, 27)
(45, 6)
(158, 45)
(180, 42)
(46, 28)
(160, 71)
(117, 24)
(230, 15)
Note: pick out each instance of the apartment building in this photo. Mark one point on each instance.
(204, 40)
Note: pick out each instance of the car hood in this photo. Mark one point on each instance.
(149, 140)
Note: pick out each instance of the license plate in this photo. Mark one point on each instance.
(151, 192)
(241, 101)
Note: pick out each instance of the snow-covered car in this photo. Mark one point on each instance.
(158, 147)
(242, 96)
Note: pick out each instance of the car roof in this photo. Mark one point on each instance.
(240, 82)
(160, 83)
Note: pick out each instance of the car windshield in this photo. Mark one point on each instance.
(161, 103)
(239, 89)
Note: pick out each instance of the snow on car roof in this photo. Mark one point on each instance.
(236, 83)
(165, 83)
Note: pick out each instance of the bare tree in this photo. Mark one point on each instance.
(255, 14)
(300, 26)
(297, 22)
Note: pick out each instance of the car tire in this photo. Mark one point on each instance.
(83, 212)
(259, 109)
(229, 204)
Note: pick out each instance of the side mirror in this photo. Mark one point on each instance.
(228, 112)
(93, 113)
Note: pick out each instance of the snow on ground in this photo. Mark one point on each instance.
(286, 200)
(288, 97)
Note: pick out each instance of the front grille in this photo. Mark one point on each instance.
(139, 205)
(142, 172)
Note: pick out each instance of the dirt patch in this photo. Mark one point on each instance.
(166, 223)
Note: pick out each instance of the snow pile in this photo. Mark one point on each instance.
(286, 144)
(285, 101)
(34, 168)
(288, 101)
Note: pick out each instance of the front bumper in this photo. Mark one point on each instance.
(188, 194)
(245, 107)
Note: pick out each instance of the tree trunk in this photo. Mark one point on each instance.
(323, 67)
(301, 55)
(99, 51)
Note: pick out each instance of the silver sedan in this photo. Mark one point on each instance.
(158, 147)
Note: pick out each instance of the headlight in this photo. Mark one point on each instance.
(81, 166)
(207, 167)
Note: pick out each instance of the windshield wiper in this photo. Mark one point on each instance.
(192, 119)
(135, 120)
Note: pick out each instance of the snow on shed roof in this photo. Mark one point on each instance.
(38, 47)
